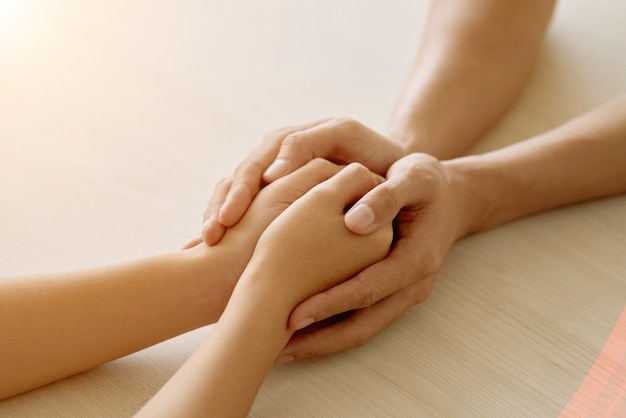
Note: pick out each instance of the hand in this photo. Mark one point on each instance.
(240, 240)
(285, 150)
(308, 248)
(430, 203)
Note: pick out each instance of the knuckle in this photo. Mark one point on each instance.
(249, 173)
(432, 263)
(223, 183)
(209, 212)
(322, 164)
(309, 349)
(359, 169)
(368, 296)
(276, 134)
(423, 282)
(431, 269)
(426, 170)
(249, 168)
(347, 124)
(217, 198)
(212, 209)
(360, 338)
(388, 197)
(297, 142)
(421, 293)
(357, 174)
(326, 307)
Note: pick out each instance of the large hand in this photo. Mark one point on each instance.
(429, 202)
(285, 150)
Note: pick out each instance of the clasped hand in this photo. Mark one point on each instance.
(422, 194)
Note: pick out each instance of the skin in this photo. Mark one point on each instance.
(473, 61)
(465, 76)
(579, 161)
(224, 374)
(440, 202)
(434, 202)
(116, 310)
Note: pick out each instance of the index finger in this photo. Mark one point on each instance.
(373, 284)
(248, 177)
(341, 140)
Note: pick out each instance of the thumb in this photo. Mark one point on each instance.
(296, 150)
(338, 139)
(377, 208)
(411, 182)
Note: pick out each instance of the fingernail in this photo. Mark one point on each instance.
(277, 169)
(207, 223)
(284, 358)
(361, 215)
(222, 211)
(210, 232)
(303, 324)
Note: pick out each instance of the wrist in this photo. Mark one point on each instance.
(210, 276)
(472, 194)
(407, 130)
(267, 293)
(421, 128)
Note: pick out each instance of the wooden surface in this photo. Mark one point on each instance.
(116, 119)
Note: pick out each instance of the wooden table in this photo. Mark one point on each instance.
(116, 119)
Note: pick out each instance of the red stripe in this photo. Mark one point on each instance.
(603, 391)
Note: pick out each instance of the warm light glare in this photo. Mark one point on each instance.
(8, 14)
(17, 24)
(9, 22)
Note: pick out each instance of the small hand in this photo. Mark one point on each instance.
(429, 209)
(308, 248)
(239, 242)
(285, 150)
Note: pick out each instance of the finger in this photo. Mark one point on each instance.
(212, 229)
(304, 179)
(236, 203)
(380, 206)
(373, 284)
(350, 184)
(192, 243)
(354, 331)
(341, 140)
(410, 183)
(247, 180)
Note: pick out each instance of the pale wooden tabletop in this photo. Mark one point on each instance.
(116, 119)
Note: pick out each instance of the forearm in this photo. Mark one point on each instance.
(474, 59)
(306, 250)
(225, 373)
(581, 160)
(57, 325)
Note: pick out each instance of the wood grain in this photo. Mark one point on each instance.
(116, 119)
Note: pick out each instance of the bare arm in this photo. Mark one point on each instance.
(581, 160)
(55, 325)
(436, 203)
(474, 59)
(306, 250)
